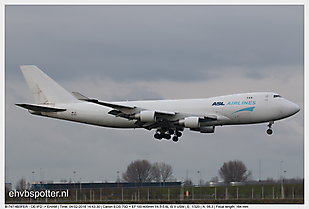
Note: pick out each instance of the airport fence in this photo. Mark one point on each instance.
(110, 195)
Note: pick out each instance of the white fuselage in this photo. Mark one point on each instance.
(247, 108)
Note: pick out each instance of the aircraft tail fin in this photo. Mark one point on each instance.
(44, 89)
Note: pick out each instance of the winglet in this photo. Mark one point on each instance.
(79, 96)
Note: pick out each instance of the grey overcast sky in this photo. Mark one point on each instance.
(152, 52)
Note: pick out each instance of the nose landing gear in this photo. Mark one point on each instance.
(270, 131)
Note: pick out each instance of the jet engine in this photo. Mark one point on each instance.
(205, 129)
(190, 122)
(146, 116)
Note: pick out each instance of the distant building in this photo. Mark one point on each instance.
(237, 183)
(92, 185)
(216, 184)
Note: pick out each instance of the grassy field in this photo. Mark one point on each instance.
(293, 194)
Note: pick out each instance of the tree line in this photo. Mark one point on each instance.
(139, 171)
(143, 171)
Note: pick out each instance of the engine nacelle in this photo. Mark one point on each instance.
(190, 122)
(205, 129)
(146, 116)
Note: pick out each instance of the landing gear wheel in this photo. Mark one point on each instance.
(175, 139)
(269, 131)
(158, 136)
(166, 136)
(163, 133)
(171, 132)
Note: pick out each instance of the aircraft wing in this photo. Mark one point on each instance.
(127, 111)
(146, 118)
(79, 96)
(119, 108)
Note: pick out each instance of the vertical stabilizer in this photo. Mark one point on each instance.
(43, 88)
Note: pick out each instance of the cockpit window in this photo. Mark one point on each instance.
(276, 96)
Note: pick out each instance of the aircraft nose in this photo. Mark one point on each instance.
(289, 108)
(297, 108)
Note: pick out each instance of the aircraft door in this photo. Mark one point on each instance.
(266, 98)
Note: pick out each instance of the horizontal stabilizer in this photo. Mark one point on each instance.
(41, 108)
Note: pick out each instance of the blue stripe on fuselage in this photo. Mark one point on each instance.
(245, 109)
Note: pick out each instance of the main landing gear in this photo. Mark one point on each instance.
(270, 131)
(160, 134)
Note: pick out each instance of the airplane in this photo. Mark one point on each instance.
(168, 117)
